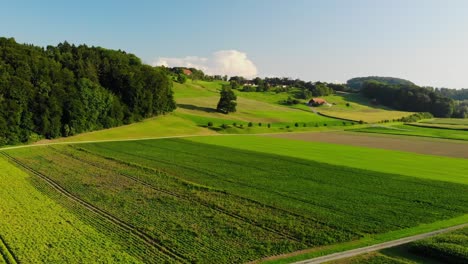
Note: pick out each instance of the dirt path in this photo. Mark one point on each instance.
(394, 243)
(439, 147)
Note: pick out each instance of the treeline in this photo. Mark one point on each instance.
(68, 89)
(456, 94)
(358, 82)
(181, 74)
(307, 89)
(409, 97)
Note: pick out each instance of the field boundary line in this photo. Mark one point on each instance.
(116, 221)
(380, 246)
(6, 253)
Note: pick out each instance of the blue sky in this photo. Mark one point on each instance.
(422, 40)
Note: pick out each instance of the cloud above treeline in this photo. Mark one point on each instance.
(223, 62)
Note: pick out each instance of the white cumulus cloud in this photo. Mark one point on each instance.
(223, 62)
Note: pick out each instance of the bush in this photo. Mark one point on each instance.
(361, 122)
(304, 125)
(287, 126)
(210, 124)
(296, 124)
(234, 124)
(348, 105)
(241, 125)
(250, 124)
(224, 126)
(259, 124)
(325, 124)
(269, 125)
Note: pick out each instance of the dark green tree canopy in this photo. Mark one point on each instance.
(409, 98)
(227, 102)
(68, 89)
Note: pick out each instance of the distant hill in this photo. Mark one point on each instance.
(356, 83)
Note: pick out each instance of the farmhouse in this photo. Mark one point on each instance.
(317, 101)
(187, 71)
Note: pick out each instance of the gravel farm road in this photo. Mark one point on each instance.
(393, 243)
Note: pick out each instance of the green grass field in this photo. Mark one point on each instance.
(197, 102)
(359, 109)
(402, 163)
(196, 203)
(446, 121)
(419, 131)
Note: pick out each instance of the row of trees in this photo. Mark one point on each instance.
(68, 89)
(409, 97)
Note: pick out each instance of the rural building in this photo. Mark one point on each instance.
(187, 71)
(317, 101)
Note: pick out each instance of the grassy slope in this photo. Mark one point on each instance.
(446, 121)
(417, 131)
(403, 163)
(359, 109)
(197, 101)
(32, 224)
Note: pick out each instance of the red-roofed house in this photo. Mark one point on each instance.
(317, 101)
(187, 71)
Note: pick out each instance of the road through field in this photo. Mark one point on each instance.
(363, 250)
(439, 147)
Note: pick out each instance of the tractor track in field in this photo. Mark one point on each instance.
(189, 199)
(6, 253)
(147, 239)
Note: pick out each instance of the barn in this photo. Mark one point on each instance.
(317, 102)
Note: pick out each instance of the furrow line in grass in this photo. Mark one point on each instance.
(6, 253)
(192, 184)
(123, 225)
(190, 199)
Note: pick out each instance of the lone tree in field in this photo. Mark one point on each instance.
(227, 102)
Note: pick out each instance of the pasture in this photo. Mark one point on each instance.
(446, 121)
(359, 109)
(419, 131)
(191, 202)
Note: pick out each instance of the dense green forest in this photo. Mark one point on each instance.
(358, 82)
(456, 94)
(67, 89)
(409, 97)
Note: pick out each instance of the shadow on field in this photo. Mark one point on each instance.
(199, 108)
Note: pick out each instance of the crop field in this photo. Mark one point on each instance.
(402, 163)
(34, 228)
(411, 144)
(179, 200)
(410, 130)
